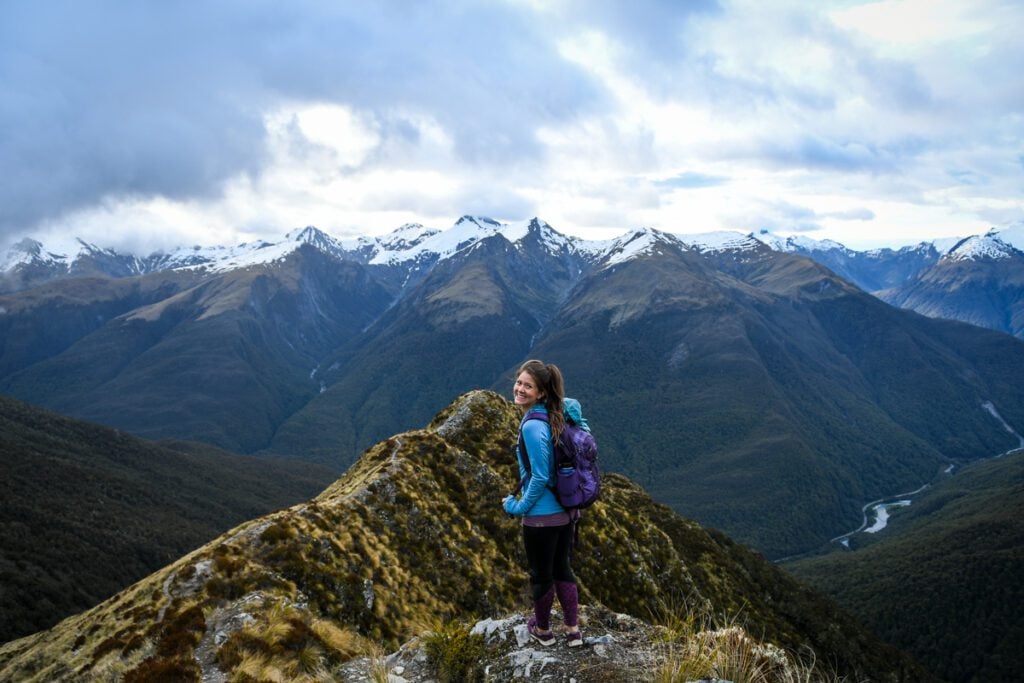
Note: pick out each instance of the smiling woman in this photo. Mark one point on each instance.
(539, 392)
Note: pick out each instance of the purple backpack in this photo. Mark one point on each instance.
(577, 479)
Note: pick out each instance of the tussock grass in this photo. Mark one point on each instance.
(289, 644)
(344, 642)
(454, 653)
(380, 670)
(697, 645)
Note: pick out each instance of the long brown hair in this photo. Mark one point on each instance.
(549, 380)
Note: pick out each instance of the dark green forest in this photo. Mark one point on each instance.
(87, 510)
(945, 580)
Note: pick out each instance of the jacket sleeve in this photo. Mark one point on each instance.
(537, 438)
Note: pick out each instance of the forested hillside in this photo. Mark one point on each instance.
(88, 510)
(945, 579)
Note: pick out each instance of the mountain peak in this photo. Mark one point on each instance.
(722, 240)
(798, 243)
(480, 221)
(434, 244)
(640, 242)
(25, 251)
(980, 247)
(310, 233)
(317, 239)
(69, 257)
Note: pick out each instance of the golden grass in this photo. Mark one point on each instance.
(345, 642)
(696, 648)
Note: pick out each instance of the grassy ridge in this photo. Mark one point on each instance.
(413, 532)
(88, 510)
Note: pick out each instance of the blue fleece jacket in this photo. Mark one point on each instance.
(536, 499)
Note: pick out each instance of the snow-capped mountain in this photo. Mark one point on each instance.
(220, 259)
(437, 244)
(797, 243)
(411, 251)
(723, 240)
(410, 247)
(416, 243)
(29, 263)
(979, 280)
(988, 246)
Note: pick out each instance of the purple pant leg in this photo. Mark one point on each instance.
(542, 609)
(569, 599)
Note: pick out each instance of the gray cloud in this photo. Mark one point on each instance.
(480, 199)
(860, 214)
(109, 100)
(690, 180)
(816, 152)
(782, 216)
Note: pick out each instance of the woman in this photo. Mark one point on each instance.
(547, 526)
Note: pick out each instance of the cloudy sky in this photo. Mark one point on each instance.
(150, 124)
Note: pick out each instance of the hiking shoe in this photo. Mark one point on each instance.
(544, 639)
(574, 638)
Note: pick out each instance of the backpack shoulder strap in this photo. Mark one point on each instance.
(531, 415)
(536, 415)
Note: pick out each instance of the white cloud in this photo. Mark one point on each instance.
(901, 25)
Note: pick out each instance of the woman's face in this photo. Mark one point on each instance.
(525, 391)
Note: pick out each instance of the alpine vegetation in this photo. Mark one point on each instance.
(412, 534)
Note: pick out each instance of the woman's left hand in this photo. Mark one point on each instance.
(509, 503)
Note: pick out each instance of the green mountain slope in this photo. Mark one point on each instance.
(224, 361)
(945, 579)
(985, 292)
(772, 399)
(463, 325)
(43, 322)
(411, 533)
(88, 510)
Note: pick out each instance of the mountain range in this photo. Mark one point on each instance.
(977, 279)
(412, 535)
(723, 374)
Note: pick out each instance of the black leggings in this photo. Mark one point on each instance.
(548, 552)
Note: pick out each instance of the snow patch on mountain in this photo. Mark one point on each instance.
(60, 256)
(400, 239)
(29, 251)
(466, 231)
(222, 259)
(246, 255)
(316, 238)
(641, 242)
(552, 240)
(722, 240)
(978, 247)
(797, 243)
